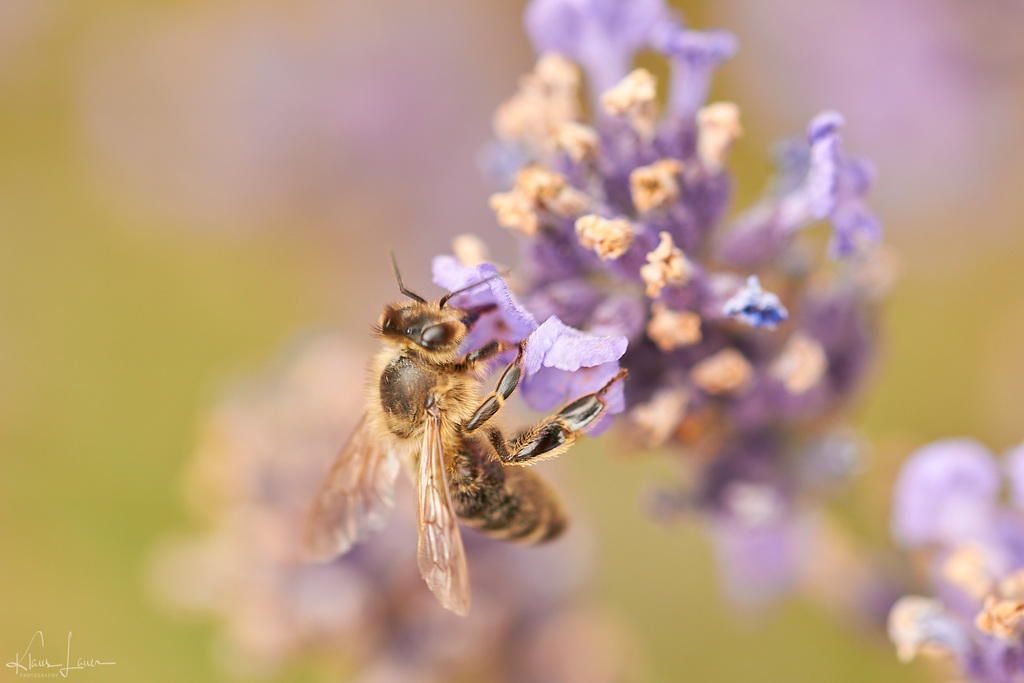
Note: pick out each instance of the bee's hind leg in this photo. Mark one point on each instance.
(555, 434)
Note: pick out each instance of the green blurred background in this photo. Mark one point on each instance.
(185, 187)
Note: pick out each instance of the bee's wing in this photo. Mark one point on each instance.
(442, 559)
(355, 498)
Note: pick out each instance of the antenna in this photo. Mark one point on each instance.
(398, 276)
(449, 295)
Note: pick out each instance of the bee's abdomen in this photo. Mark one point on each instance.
(510, 503)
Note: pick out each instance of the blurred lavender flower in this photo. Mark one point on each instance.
(620, 222)
(948, 502)
(367, 616)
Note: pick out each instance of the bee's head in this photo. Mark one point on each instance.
(434, 328)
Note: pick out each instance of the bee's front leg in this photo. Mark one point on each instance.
(555, 434)
(486, 352)
(506, 385)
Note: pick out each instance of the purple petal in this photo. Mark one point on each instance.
(816, 197)
(859, 176)
(853, 227)
(762, 231)
(556, 345)
(816, 181)
(450, 273)
(694, 56)
(821, 188)
(835, 186)
(600, 35)
(510, 322)
(755, 307)
(825, 124)
(946, 493)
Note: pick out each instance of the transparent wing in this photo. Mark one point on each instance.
(355, 498)
(442, 559)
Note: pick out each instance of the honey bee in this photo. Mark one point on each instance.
(424, 410)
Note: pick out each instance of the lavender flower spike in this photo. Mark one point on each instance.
(618, 211)
(755, 307)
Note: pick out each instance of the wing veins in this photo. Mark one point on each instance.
(441, 556)
(355, 497)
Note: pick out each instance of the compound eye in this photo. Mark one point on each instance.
(436, 335)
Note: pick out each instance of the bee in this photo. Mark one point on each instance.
(424, 409)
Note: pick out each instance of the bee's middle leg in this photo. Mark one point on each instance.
(507, 384)
(555, 434)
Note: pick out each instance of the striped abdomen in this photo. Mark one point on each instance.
(510, 503)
